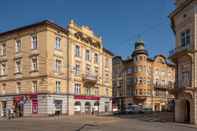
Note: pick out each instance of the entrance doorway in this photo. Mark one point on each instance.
(187, 111)
(4, 106)
(77, 107)
(87, 108)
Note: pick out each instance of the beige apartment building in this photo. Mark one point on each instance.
(46, 69)
(141, 80)
(184, 23)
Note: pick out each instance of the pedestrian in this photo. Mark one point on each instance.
(93, 111)
(8, 113)
(12, 112)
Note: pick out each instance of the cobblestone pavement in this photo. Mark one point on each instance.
(150, 122)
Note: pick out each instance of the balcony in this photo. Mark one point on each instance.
(181, 88)
(159, 86)
(139, 98)
(180, 51)
(90, 78)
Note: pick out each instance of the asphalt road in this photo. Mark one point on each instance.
(93, 123)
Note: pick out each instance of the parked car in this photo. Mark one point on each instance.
(134, 109)
(147, 110)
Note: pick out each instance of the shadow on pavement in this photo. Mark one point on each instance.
(86, 125)
(149, 117)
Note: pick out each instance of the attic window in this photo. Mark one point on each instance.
(161, 61)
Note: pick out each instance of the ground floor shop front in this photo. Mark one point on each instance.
(92, 104)
(51, 104)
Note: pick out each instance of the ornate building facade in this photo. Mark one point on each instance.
(46, 69)
(184, 23)
(140, 80)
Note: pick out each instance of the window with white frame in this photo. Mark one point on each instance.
(77, 51)
(58, 65)
(18, 66)
(58, 87)
(96, 58)
(58, 43)
(18, 88)
(34, 44)
(18, 46)
(77, 69)
(3, 49)
(3, 68)
(87, 55)
(34, 86)
(34, 63)
(77, 89)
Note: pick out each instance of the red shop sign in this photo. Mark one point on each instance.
(87, 97)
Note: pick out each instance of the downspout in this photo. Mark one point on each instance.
(68, 74)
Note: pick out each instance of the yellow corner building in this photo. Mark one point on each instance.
(46, 69)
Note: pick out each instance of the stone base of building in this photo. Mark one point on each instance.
(186, 108)
(46, 105)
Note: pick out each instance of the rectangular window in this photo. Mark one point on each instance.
(96, 58)
(77, 69)
(87, 55)
(77, 51)
(3, 69)
(18, 46)
(18, 66)
(34, 64)
(185, 38)
(34, 44)
(77, 89)
(34, 86)
(58, 43)
(129, 70)
(185, 79)
(58, 87)
(88, 91)
(58, 66)
(3, 50)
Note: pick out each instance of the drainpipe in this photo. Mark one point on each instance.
(68, 74)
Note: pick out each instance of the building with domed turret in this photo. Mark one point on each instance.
(141, 80)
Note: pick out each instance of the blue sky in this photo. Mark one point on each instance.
(119, 22)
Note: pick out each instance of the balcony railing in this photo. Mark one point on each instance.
(179, 49)
(159, 86)
(90, 78)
